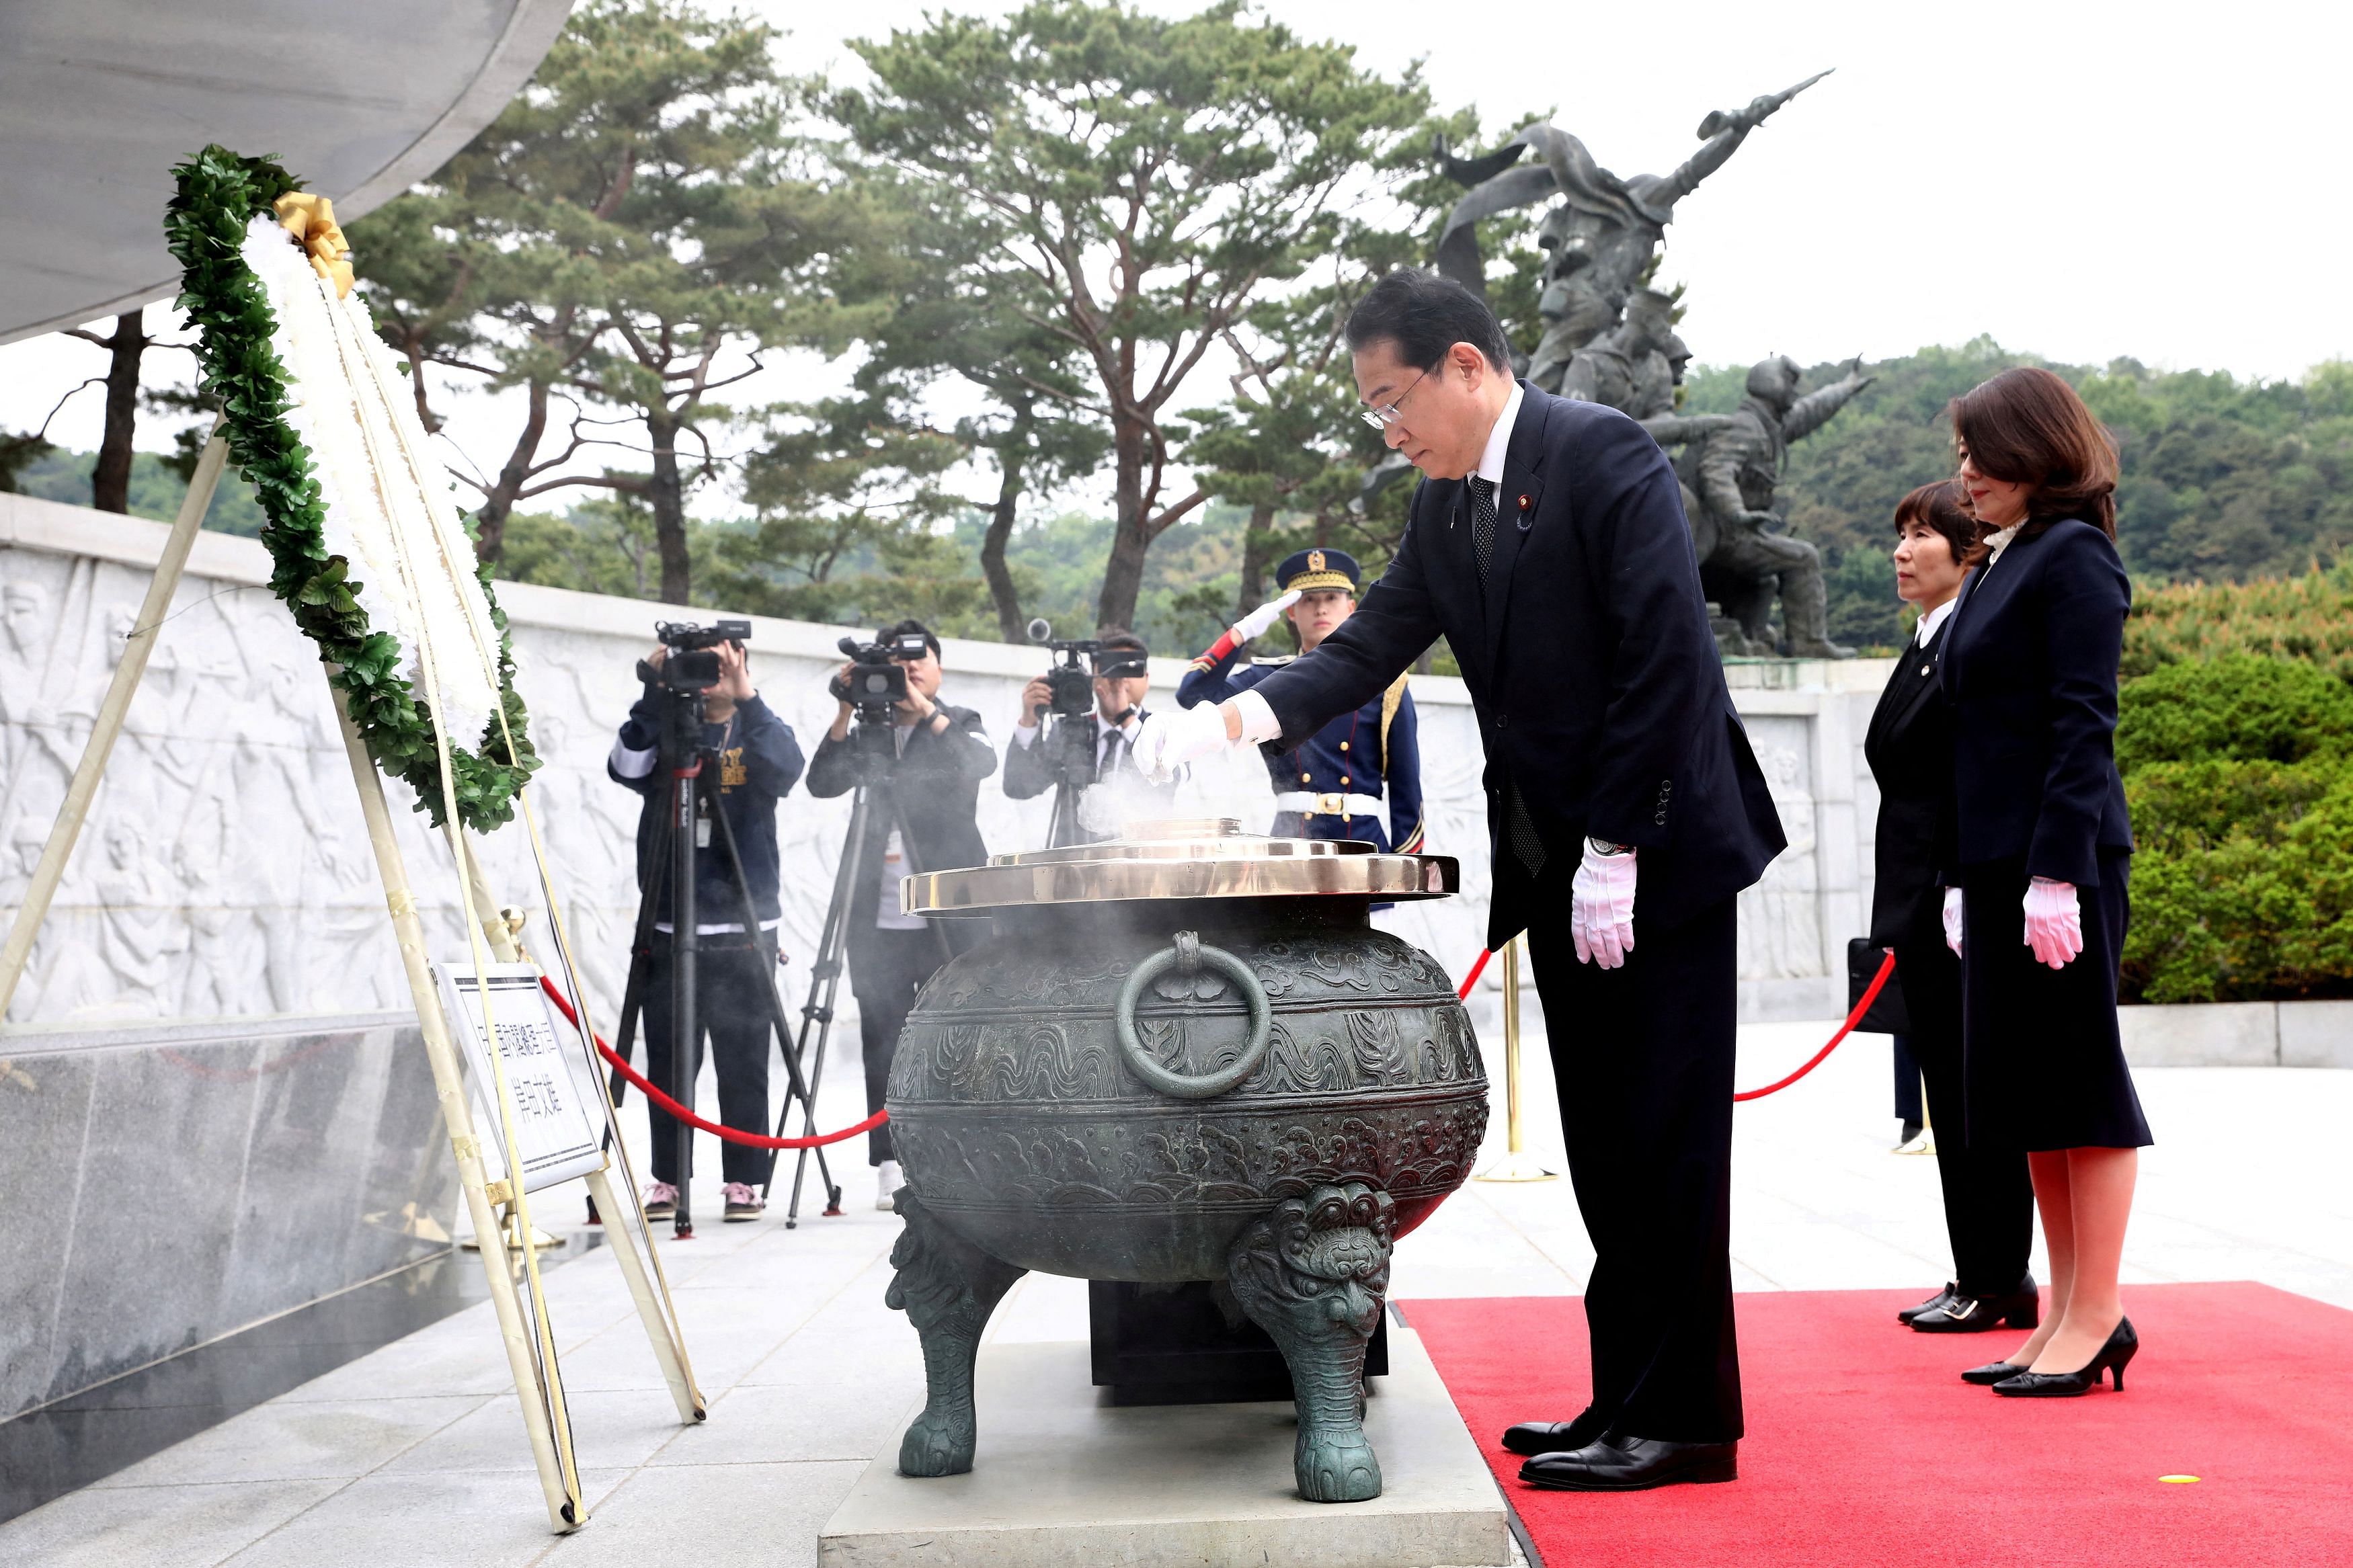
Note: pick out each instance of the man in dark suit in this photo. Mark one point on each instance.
(924, 817)
(1548, 545)
(1120, 792)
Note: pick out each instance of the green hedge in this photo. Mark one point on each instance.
(2239, 768)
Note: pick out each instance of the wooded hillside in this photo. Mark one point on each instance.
(2224, 479)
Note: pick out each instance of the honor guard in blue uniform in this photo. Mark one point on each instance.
(1331, 784)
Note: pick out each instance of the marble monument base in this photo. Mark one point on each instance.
(1065, 1479)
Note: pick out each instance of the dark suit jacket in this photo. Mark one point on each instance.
(935, 783)
(1910, 748)
(2029, 668)
(1599, 694)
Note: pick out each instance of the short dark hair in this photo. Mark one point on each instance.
(911, 628)
(1939, 506)
(2027, 426)
(1425, 314)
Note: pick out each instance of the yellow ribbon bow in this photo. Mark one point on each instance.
(312, 221)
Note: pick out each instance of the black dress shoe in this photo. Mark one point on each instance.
(1931, 1304)
(1993, 1372)
(1533, 1437)
(2020, 1309)
(2122, 1345)
(1631, 1465)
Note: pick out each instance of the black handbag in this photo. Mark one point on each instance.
(1888, 1015)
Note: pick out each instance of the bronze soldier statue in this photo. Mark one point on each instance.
(1604, 232)
(1729, 477)
(1635, 368)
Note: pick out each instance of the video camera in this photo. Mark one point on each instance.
(1071, 688)
(691, 660)
(876, 680)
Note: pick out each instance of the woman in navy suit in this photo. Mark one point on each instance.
(2035, 902)
(1988, 1208)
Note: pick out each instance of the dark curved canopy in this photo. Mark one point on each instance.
(100, 98)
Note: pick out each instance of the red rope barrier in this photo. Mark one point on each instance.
(733, 1135)
(1869, 994)
(1462, 994)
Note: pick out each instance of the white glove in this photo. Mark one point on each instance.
(1257, 621)
(1601, 908)
(1953, 920)
(1166, 741)
(2054, 921)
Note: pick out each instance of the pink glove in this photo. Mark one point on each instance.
(2054, 921)
(1601, 908)
(1953, 920)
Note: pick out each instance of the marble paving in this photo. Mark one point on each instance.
(414, 1456)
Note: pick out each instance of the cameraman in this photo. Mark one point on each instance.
(934, 788)
(1122, 676)
(758, 761)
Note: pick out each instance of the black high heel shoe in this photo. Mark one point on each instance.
(2122, 1345)
(1992, 1373)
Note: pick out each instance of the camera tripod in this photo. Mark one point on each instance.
(1071, 744)
(874, 747)
(692, 814)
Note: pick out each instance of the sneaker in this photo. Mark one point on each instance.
(743, 1202)
(662, 1201)
(888, 1180)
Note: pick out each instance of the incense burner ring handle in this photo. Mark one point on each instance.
(1188, 956)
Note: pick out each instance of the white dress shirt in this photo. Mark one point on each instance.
(1499, 439)
(1933, 619)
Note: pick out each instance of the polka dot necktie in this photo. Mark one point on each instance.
(1483, 523)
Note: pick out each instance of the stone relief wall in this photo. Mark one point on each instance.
(225, 870)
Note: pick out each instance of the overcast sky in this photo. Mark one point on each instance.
(2083, 181)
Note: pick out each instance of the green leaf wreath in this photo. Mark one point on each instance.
(219, 194)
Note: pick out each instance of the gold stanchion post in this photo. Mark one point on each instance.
(1517, 1164)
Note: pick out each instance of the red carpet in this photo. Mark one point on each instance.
(1864, 1447)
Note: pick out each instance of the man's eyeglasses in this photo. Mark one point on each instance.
(1381, 415)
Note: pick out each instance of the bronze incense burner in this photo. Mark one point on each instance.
(1185, 1055)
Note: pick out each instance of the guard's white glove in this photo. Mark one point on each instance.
(1255, 624)
(1166, 741)
(1953, 920)
(2054, 921)
(1601, 908)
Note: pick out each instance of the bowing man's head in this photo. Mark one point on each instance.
(1433, 369)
